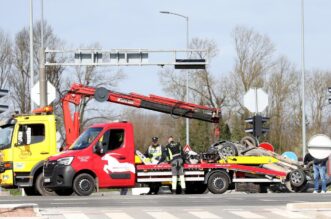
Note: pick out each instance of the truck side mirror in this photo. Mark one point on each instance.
(99, 148)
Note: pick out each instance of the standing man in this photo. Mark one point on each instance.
(320, 172)
(175, 156)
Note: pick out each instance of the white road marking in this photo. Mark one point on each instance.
(75, 203)
(286, 214)
(204, 214)
(324, 213)
(118, 215)
(246, 214)
(75, 216)
(161, 215)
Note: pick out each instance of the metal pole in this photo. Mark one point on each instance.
(303, 81)
(187, 90)
(31, 53)
(42, 73)
(187, 78)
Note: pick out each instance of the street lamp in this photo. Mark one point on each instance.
(187, 46)
(31, 52)
(303, 80)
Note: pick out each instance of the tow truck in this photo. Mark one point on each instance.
(26, 141)
(104, 155)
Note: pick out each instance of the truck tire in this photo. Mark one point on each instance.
(64, 192)
(84, 184)
(39, 186)
(218, 182)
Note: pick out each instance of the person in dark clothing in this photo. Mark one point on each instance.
(175, 157)
(320, 172)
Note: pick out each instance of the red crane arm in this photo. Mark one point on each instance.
(151, 102)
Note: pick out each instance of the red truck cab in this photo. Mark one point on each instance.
(102, 157)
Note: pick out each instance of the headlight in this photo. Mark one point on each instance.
(65, 161)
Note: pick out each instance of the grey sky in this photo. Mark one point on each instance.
(138, 24)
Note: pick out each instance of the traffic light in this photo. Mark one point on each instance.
(258, 125)
(3, 93)
(329, 89)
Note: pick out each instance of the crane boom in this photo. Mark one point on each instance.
(151, 102)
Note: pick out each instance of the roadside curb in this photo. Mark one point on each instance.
(309, 206)
(27, 210)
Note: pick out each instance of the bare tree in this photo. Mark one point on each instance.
(317, 84)
(280, 87)
(5, 58)
(253, 61)
(204, 89)
(19, 78)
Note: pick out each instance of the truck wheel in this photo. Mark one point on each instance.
(218, 183)
(64, 192)
(39, 186)
(297, 178)
(84, 184)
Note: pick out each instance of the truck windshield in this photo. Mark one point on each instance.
(5, 136)
(85, 139)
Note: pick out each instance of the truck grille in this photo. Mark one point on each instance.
(48, 167)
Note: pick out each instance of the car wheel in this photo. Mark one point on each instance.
(297, 178)
(84, 184)
(228, 149)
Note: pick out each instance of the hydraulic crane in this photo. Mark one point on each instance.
(151, 102)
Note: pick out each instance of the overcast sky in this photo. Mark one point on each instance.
(138, 24)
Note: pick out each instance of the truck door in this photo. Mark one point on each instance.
(30, 146)
(115, 167)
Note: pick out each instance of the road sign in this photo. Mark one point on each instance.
(51, 93)
(256, 100)
(319, 146)
(3, 93)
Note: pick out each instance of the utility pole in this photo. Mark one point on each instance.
(303, 80)
(31, 53)
(42, 74)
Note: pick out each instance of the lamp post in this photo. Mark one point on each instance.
(303, 80)
(187, 46)
(31, 51)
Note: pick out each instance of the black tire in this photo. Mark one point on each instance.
(218, 182)
(84, 184)
(227, 149)
(64, 192)
(244, 141)
(297, 178)
(39, 186)
(30, 191)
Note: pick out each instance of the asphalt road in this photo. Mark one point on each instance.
(235, 205)
(114, 200)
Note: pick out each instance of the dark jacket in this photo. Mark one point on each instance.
(321, 162)
(174, 151)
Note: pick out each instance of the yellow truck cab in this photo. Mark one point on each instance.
(25, 142)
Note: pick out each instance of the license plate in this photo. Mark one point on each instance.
(47, 180)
